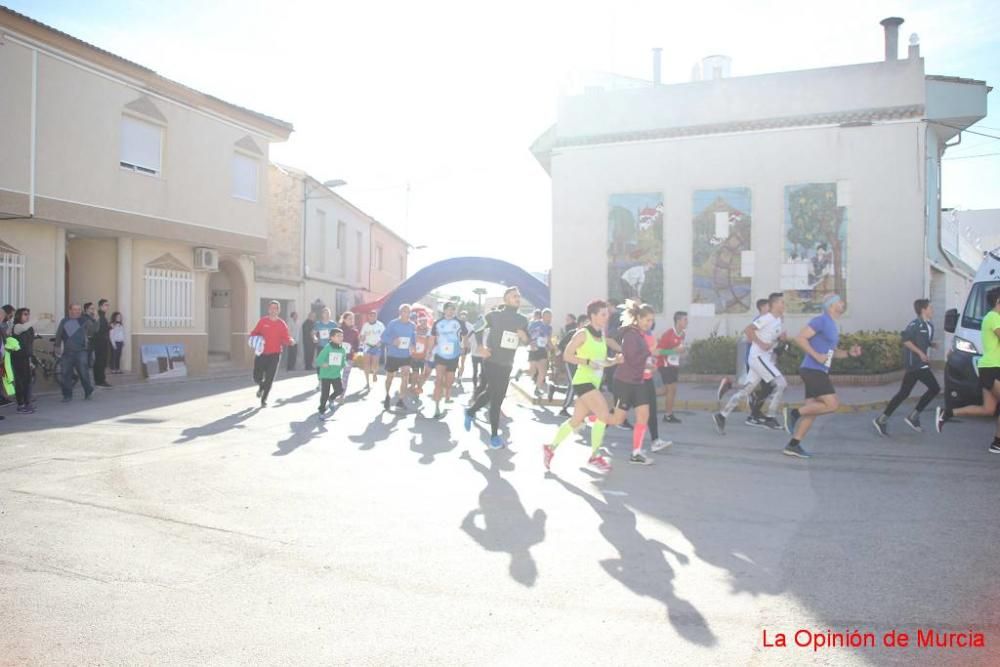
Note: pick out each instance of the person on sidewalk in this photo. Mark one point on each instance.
(102, 344)
(117, 338)
(292, 353)
(274, 331)
(918, 339)
(331, 361)
(668, 362)
(819, 341)
(23, 330)
(308, 343)
(71, 345)
(989, 373)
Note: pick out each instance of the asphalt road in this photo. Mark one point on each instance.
(180, 524)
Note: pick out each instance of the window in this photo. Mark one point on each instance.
(244, 177)
(378, 257)
(357, 258)
(11, 276)
(169, 298)
(975, 307)
(142, 145)
(342, 248)
(321, 241)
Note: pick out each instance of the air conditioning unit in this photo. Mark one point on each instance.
(206, 259)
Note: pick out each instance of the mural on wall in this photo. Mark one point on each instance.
(635, 248)
(722, 260)
(815, 258)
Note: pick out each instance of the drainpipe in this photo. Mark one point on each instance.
(34, 124)
(937, 200)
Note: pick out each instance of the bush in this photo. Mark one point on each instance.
(881, 352)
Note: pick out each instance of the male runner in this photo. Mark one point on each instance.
(540, 333)
(918, 338)
(446, 337)
(422, 345)
(508, 330)
(371, 338)
(466, 347)
(398, 340)
(742, 355)
(274, 331)
(819, 341)
(668, 362)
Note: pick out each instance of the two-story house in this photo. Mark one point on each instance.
(119, 183)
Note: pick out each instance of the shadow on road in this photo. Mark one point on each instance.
(434, 438)
(221, 425)
(302, 432)
(507, 526)
(642, 566)
(377, 431)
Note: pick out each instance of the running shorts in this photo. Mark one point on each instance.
(537, 355)
(450, 365)
(669, 374)
(393, 364)
(629, 395)
(817, 383)
(372, 350)
(581, 389)
(987, 377)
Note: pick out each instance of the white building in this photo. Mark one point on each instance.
(725, 189)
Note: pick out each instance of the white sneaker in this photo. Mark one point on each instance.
(659, 445)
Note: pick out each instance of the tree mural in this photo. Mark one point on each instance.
(717, 254)
(815, 244)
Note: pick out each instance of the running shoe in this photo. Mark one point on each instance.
(547, 453)
(659, 445)
(263, 403)
(724, 386)
(939, 418)
(26, 410)
(791, 419)
(720, 422)
(796, 450)
(496, 442)
(88, 395)
(771, 423)
(880, 423)
(400, 404)
(449, 401)
(385, 403)
(994, 447)
(671, 419)
(913, 421)
(600, 463)
(640, 459)
(438, 414)
(564, 413)
(468, 420)
(753, 421)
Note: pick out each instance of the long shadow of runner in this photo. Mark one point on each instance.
(508, 528)
(435, 438)
(377, 431)
(642, 567)
(297, 398)
(302, 433)
(222, 425)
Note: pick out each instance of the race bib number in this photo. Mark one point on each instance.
(324, 334)
(674, 359)
(509, 340)
(404, 343)
(447, 349)
(419, 348)
(829, 359)
(542, 342)
(347, 349)
(335, 358)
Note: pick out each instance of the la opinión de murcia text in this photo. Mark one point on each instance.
(927, 638)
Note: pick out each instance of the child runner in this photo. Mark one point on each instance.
(352, 343)
(321, 334)
(989, 372)
(447, 340)
(668, 361)
(918, 338)
(371, 337)
(331, 361)
(398, 341)
(630, 388)
(274, 331)
(588, 351)
(819, 341)
(540, 333)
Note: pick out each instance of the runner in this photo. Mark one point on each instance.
(508, 330)
(321, 335)
(536, 318)
(477, 334)
(630, 388)
(588, 351)
(668, 361)
(540, 333)
(918, 339)
(274, 331)
(989, 373)
(331, 361)
(819, 341)
(649, 387)
(742, 355)
(421, 355)
(352, 343)
(447, 340)
(466, 347)
(371, 337)
(578, 323)
(398, 341)
(765, 334)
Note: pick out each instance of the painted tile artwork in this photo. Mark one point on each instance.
(815, 245)
(635, 248)
(722, 260)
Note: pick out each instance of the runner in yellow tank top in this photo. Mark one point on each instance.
(588, 350)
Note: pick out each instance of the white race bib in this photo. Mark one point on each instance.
(673, 360)
(509, 340)
(324, 334)
(447, 349)
(347, 348)
(404, 343)
(335, 358)
(419, 348)
(542, 342)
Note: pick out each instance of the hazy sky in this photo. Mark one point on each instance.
(447, 96)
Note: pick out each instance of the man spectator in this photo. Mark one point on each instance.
(71, 343)
(293, 350)
(101, 343)
(308, 344)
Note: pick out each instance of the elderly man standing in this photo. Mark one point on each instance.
(72, 336)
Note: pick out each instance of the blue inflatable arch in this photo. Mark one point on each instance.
(454, 270)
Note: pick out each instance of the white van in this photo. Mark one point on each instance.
(961, 377)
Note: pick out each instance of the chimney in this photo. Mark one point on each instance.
(657, 52)
(891, 26)
(914, 47)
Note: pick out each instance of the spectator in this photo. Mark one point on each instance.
(5, 321)
(308, 344)
(102, 344)
(72, 336)
(292, 352)
(117, 339)
(23, 330)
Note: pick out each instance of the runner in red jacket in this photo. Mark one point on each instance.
(274, 331)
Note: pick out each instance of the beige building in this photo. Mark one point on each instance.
(118, 183)
(389, 256)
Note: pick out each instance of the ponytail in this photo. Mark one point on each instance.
(634, 311)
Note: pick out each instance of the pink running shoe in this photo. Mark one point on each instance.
(548, 452)
(600, 463)
(591, 418)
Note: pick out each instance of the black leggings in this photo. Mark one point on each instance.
(654, 429)
(910, 380)
(22, 380)
(264, 368)
(496, 378)
(477, 363)
(326, 395)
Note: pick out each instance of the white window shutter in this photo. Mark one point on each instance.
(141, 144)
(245, 177)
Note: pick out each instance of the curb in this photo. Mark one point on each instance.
(55, 390)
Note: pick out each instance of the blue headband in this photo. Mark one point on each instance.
(830, 300)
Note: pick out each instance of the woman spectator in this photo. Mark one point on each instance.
(117, 337)
(23, 330)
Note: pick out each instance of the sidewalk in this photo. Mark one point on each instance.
(701, 396)
(133, 380)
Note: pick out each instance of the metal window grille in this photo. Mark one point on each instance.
(12, 279)
(169, 298)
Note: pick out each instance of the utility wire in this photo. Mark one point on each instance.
(967, 157)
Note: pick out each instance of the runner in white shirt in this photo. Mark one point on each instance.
(765, 333)
(371, 342)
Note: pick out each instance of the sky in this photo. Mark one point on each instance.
(427, 109)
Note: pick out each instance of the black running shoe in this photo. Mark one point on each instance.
(995, 447)
(671, 419)
(385, 403)
(720, 422)
(796, 450)
(913, 421)
(771, 423)
(880, 426)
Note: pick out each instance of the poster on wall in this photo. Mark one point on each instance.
(815, 253)
(163, 361)
(722, 260)
(635, 248)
